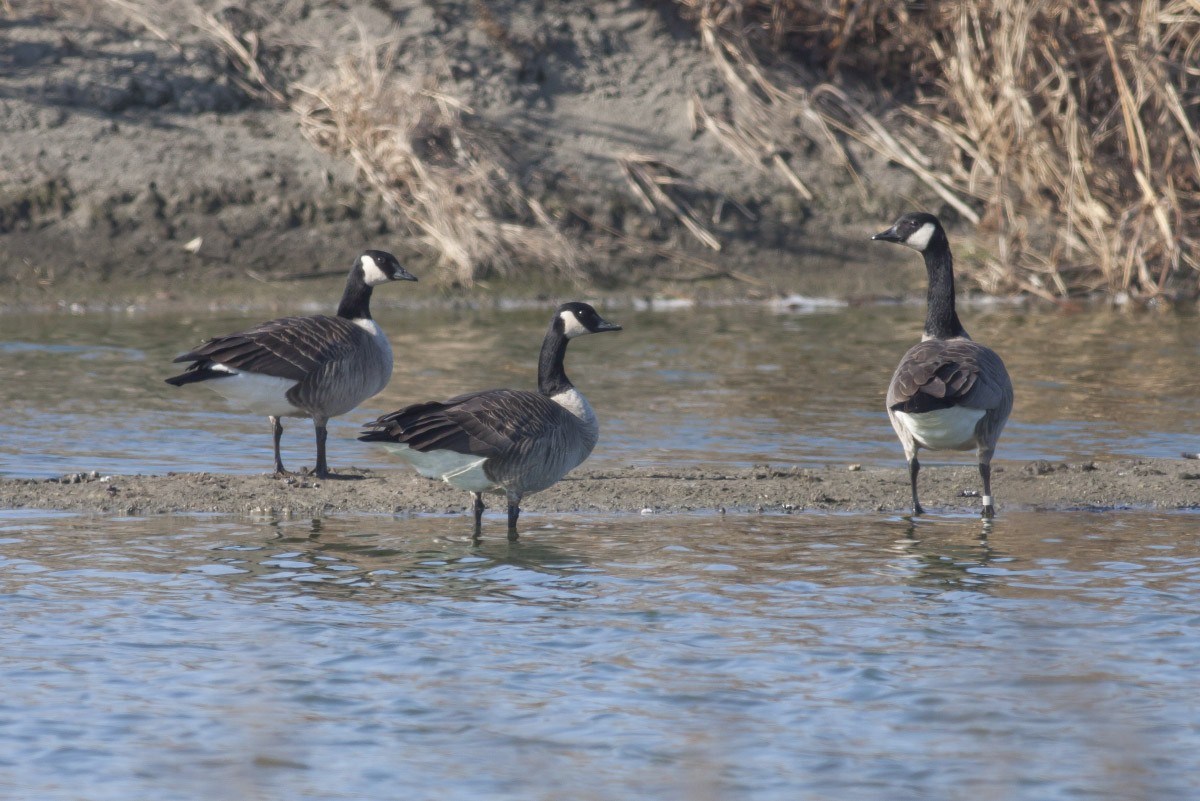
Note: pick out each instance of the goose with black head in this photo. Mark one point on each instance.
(510, 441)
(948, 392)
(317, 367)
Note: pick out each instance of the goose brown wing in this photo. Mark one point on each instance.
(491, 424)
(938, 374)
(290, 347)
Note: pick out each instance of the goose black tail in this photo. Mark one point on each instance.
(378, 435)
(196, 374)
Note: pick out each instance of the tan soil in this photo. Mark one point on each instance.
(1140, 483)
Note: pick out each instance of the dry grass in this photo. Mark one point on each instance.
(447, 177)
(424, 153)
(662, 189)
(1067, 130)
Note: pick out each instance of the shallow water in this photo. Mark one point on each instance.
(688, 657)
(736, 385)
(684, 657)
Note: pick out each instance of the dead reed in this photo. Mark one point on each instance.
(448, 178)
(445, 175)
(1067, 130)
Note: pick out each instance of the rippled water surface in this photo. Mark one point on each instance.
(686, 657)
(690, 657)
(737, 385)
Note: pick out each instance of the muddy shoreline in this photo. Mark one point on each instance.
(1133, 483)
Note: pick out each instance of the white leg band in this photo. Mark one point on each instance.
(987, 500)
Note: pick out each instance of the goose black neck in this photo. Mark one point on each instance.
(552, 378)
(356, 300)
(941, 320)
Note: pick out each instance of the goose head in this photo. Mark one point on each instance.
(916, 230)
(576, 319)
(379, 267)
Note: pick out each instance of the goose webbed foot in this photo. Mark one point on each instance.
(333, 475)
(312, 472)
(989, 510)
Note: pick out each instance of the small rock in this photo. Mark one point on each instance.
(854, 468)
(1041, 467)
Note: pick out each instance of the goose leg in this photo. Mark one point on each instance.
(322, 470)
(277, 429)
(914, 467)
(514, 511)
(478, 514)
(985, 472)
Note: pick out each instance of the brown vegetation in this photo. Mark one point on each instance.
(423, 152)
(448, 178)
(1067, 130)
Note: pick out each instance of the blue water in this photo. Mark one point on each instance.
(1050, 656)
(684, 657)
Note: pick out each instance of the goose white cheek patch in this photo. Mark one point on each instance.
(372, 274)
(919, 239)
(571, 325)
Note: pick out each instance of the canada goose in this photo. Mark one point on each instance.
(949, 392)
(318, 366)
(503, 440)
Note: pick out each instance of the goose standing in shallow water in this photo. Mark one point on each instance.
(503, 440)
(949, 392)
(318, 367)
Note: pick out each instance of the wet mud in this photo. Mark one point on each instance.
(1139, 483)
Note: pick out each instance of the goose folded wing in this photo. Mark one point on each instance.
(491, 424)
(290, 347)
(937, 375)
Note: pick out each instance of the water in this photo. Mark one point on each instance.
(730, 386)
(689, 657)
(813, 657)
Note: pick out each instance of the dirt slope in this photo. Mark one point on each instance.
(121, 149)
